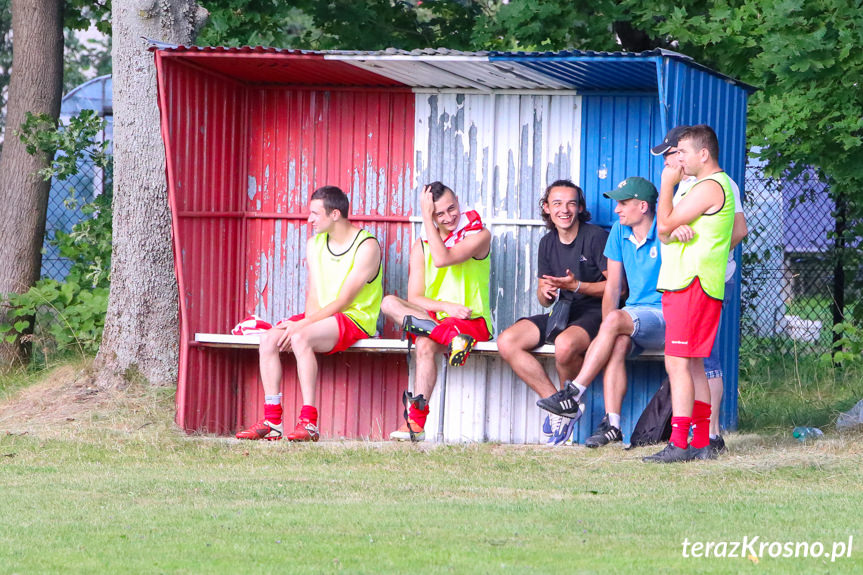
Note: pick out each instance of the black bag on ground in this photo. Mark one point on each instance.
(654, 425)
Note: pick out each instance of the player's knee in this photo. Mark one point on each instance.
(507, 343)
(300, 341)
(566, 347)
(426, 349)
(615, 321)
(269, 342)
(388, 305)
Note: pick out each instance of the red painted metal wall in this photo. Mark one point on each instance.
(242, 162)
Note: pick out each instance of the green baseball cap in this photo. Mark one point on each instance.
(634, 187)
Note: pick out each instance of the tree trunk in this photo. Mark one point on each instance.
(141, 331)
(36, 85)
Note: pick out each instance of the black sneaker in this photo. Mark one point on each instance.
(717, 445)
(605, 433)
(670, 454)
(701, 453)
(563, 403)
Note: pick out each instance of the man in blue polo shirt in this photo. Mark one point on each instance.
(633, 259)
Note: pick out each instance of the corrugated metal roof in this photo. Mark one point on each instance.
(442, 68)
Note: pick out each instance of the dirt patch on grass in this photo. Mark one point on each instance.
(67, 400)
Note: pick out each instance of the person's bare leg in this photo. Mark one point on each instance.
(682, 386)
(716, 387)
(614, 379)
(269, 361)
(426, 367)
(514, 346)
(615, 324)
(320, 337)
(395, 309)
(569, 348)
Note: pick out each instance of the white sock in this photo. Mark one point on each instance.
(273, 399)
(614, 420)
(714, 435)
(581, 389)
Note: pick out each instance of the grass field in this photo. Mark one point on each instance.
(100, 482)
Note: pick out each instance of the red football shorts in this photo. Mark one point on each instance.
(349, 332)
(691, 321)
(450, 327)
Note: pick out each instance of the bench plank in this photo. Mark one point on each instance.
(221, 340)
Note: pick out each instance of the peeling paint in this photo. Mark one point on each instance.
(252, 187)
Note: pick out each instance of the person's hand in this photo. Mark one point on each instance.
(683, 234)
(567, 282)
(290, 328)
(547, 289)
(427, 204)
(455, 310)
(672, 175)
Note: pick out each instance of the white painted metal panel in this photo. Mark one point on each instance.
(498, 152)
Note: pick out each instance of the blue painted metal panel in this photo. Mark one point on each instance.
(605, 75)
(616, 142)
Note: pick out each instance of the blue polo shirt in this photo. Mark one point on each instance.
(640, 263)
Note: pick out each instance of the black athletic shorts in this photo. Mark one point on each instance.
(587, 318)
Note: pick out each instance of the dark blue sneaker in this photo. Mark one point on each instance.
(563, 403)
(605, 433)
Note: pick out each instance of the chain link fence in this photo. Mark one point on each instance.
(64, 211)
(789, 260)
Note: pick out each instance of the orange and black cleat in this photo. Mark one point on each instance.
(459, 349)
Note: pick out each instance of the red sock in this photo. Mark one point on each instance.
(700, 424)
(419, 417)
(273, 413)
(310, 414)
(680, 431)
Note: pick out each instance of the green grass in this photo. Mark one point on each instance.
(778, 392)
(178, 505)
(116, 488)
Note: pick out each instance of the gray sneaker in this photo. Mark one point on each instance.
(670, 454)
(605, 433)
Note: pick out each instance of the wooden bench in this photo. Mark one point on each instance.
(381, 345)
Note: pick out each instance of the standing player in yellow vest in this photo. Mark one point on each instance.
(342, 306)
(713, 364)
(447, 308)
(696, 235)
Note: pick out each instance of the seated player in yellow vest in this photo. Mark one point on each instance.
(342, 306)
(447, 308)
(572, 271)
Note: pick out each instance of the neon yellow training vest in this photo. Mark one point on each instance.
(706, 256)
(465, 283)
(333, 270)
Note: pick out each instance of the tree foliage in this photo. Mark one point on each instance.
(342, 24)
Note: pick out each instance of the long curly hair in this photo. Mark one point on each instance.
(583, 216)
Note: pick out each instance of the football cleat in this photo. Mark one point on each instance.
(262, 430)
(412, 433)
(304, 431)
(459, 349)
